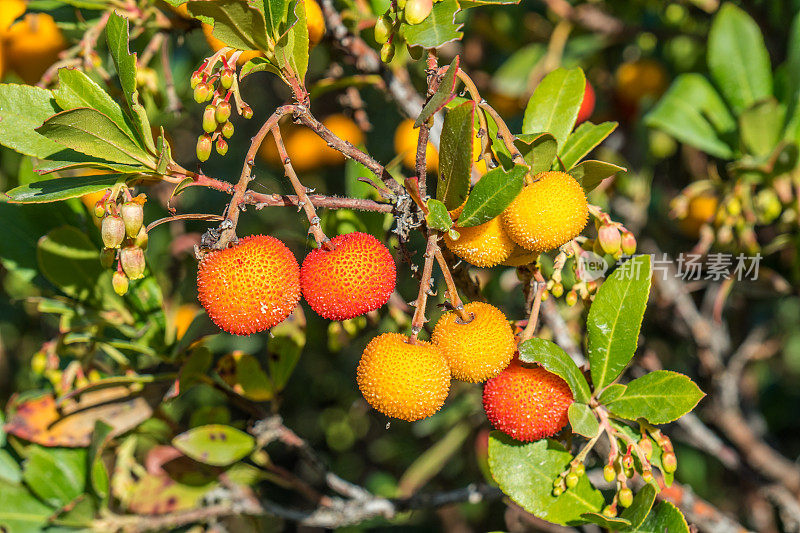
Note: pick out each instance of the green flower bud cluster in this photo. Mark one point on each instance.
(569, 478)
(217, 89)
(386, 34)
(124, 237)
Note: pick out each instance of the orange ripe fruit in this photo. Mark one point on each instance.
(520, 257)
(477, 350)
(547, 213)
(587, 104)
(405, 144)
(527, 403)
(32, 45)
(637, 80)
(484, 245)
(315, 22)
(184, 316)
(700, 210)
(10, 10)
(345, 129)
(403, 380)
(357, 276)
(251, 286)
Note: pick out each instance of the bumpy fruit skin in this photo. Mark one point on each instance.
(527, 403)
(520, 257)
(547, 213)
(32, 45)
(587, 105)
(315, 22)
(476, 350)
(251, 286)
(484, 245)
(357, 276)
(403, 380)
(405, 144)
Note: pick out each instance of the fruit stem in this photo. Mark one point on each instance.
(504, 133)
(424, 286)
(452, 291)
(315, 227)
(434, 80)
(533, 319)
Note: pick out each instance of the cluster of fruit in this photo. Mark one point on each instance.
(307, 150)
(411, 12)
(124, 235)
(550, 211)
(29, 46)
(217, 86)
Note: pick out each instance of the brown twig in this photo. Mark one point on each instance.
(304, 202)
(452, 291)
(261, 200)
(424, 286)
(533, 319)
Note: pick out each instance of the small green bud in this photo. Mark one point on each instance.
(223, 112)
(417, 10)
(669, 462)
(625, 497)
(202, 93)
(627, 461)
(609, 511)
(222, 146)
(210, 119)
(226, 78)
(112, 230)
(572, 480)
(133, 216)
(99, 209)
(387, 52)
(227, 130)
(628, 243)
(383, 29)
(203, 147)
(142, 239)
(572, 298)
(133, 262)
(579, 469)
(39, 363)
(558, 491)
(120, 283)
(247, 112)
(557, 290)
(609, 474)
(195, 80)
(647, 476)
(734, 207)
(107, 256)
(647, 447)
(768, 206)
(401, 4)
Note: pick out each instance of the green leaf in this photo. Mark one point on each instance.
(292, 48)
(434, 459)
(492, 194)
(23, 108)
(194, 368)
(591, 173)
(90, 132)
(9, 468)
(258, 64)
(553, 359)
(438, 29)
(525, 473)
(792, 93)
(276, 13)
(612, 524)
(738, 58)
(615, 319)
(68, 159)
(611, 393)
(583, 140)
(58, 189)
(538, 149)
(283, 352)
(442, 95)
(21, 512)
(761, 127)
(70, 261)
(639, 509)
(215, 444)
(476, 3)
(582, 420)
(438, 217)
(554, 106)
(693, 112)
(244, 375)
(664, 517)
(455, 155)
(512, 77)
(238, 24)
(659, 397)
(56, 475)
(97, 468)
(76, 89)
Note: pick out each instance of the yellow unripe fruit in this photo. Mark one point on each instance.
(520, 257)
(32, 45)
(344, 128)
(315, 21)
(403, 380)
(700, 210)
(636, 80)
(547, 213)
(477, 350)
(406, 138)
(484, 245)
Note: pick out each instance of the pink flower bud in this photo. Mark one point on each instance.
(610, 239)
(628, 243)
(120, 283)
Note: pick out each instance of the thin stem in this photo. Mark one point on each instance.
(452, 292)
(304, 202)
(533, 319)
(424, 286)
(421, 166)
(261, 200)
(186, 216)
(503, 133)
